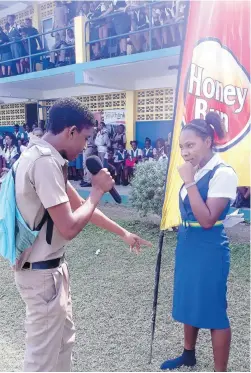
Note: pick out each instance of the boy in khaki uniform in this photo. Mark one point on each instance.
(43, 281)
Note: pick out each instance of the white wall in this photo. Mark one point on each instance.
(79, 90)
(165, 81)
(12, 7)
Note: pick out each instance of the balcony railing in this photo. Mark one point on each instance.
(40, 55)
(173, 26)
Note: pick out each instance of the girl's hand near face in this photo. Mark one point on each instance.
(187, 172)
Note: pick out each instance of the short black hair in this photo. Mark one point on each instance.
(121, 144)
(12, 137)
(24, 30)
(68, 112)
(16, 126)
(161, 141)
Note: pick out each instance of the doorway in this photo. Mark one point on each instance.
(31, 114)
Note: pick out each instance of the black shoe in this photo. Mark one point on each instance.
(60, 64)
(51, 66)
(83, 184)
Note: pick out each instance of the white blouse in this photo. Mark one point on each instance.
(222, 185)
(10, 153)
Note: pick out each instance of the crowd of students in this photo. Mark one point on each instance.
(111, 149)
(120, 19)
(125, 18)
(109, 145)
(12, 144)
(106, 19)
(19, 49)
(14, 44)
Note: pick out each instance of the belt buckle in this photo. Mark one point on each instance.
(29, 268)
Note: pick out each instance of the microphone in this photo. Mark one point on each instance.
(94, 165)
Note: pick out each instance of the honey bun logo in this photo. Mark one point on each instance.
(217, 82)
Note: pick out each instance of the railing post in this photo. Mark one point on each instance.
(150, 26)
(130, 115)
(82, 33)
(30, 59)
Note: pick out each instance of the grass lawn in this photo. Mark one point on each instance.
(112, 299)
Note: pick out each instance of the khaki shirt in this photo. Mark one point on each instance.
(40, 184)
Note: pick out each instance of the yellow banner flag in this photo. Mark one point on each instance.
(214, 76)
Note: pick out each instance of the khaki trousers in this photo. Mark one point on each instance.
(50, 332)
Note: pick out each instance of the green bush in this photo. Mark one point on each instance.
(148, 187)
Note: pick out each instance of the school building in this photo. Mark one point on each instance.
(138, 88)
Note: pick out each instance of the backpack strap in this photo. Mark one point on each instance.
(46, 218)
(49, 230)
(50, 223)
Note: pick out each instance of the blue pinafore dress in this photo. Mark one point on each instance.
(202, 262)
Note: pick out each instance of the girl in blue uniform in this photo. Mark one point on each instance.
(72, 172)
(119, 161)
(148, 150)
(202, 256)
(79, 166)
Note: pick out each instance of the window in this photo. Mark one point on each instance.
(48, 40)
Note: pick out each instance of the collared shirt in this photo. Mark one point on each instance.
(9, 153)
(41, 184)
(135, 153)
(102, 141)
(120, 156)
(117, 138)
(17, 135)
(222, 185)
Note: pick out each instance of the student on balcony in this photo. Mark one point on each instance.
(122, 24)
(58, 53)
(70, 42)
(139, 21)
(5, 54)
(25, 62)
(35, 39)
(94, 29)
(99, 29)
(17, 48)
(60, 19)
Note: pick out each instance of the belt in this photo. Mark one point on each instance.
(47, 264)
(195, 224)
